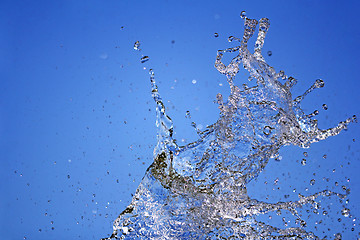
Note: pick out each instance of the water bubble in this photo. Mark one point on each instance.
(324, 106)
(305, 154)
(324, 156)
(187, 114)
(216, 35)
(193, 81)
(137, 46)
(312, 181)
(267, 130)
(269, 53)
(144, 59)
(243, 14)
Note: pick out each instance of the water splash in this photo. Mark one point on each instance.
(199, 191)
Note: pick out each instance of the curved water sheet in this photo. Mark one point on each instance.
(199, 191)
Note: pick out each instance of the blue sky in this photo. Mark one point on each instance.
(76, 116)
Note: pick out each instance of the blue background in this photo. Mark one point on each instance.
(77, 122)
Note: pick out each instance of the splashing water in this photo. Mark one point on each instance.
(199, 191)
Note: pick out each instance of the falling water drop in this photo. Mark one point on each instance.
(144, 59)
(319, 83)
(303, 162)
(137, 46)
(243, 14)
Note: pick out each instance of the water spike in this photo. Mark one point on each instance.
(319, 134)
(249, 29)
(264, 25)
(163, 121)
(319, 83)
(233, 68)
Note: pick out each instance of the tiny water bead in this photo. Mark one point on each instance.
(345, 212)
(269, 53)
(144, 59)
(137, 46)
(325, 107)
(243, 14)
(319, 83)
(312, 181)
(216, 35)
(282, 74)
(303, 161)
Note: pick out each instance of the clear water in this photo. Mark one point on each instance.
(199, 191)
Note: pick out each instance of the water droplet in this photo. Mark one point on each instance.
(243, 14)
(187, 114)
(231, 38)
(312, 182)
(305, 154)
(319, 83)
(324, 106)
(303, 162)
(354, 118)
(151, 72)
(137, 46)
(193, 81)
(144, 59)
(345, 212)
(324, 156)
(216, 35)
(282, 74)
(269, 53)
(338, 236)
